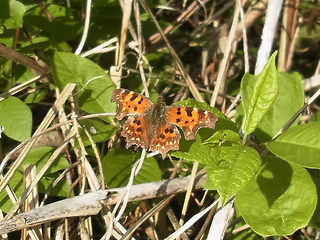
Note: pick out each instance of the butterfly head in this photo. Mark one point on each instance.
(161, 102)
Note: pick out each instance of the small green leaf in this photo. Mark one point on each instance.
(231, 168)
(11, 13)
(117, 167)
(94, 86)
(16, 118)
(258, 100)
(36, 97)
(195, 150)
(279, 201)
(222, 136)
(299, 144)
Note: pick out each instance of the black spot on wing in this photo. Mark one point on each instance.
(189, 111)
(140, 101)
(134, 96)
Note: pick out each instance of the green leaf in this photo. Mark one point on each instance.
(279, 201)
(99, 131)
(11, 13)
(223, 136)
(94, 86)
(16, 184)
(315, 220)
(117, 167)
(36, 97)
(315, 117)
(39, 157)
(289, 85)
(194, 150)
(257, 100)
(64, 29)
(231, 168)
(62, 189)
(299, 144)
(16, 118)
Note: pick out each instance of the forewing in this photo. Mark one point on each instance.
(135, 131)
(166, 138)
(130, 102)
(190, 119)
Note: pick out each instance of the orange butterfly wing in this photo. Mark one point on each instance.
(190, 119)
(135, 130)
(130, 102)
(152, 126)
(165, 138)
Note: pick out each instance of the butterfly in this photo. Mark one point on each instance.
(152, 126)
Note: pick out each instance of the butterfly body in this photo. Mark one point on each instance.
(152, 125)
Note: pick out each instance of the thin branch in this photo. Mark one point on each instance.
(86, 28)
(15, 56)
(91, 203)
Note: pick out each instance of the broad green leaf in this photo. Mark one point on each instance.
(39, 157)
(194, 150)
(258, 100)
(94, 86)
(117, 167)
(279, 201)
(289, 85)
(299, 144)
(99, 130)
(16, 118)
(11, 13)
(231, 168)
